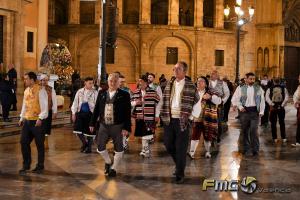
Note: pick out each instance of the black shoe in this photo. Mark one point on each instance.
(7, 120)
(255, 154)
(83, 148)
(107, 168)
(192, 157)
(38, 170)
(179, 180)
(24, 170)
(112, 173)
(87, 151)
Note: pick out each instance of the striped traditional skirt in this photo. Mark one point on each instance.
(210, 122)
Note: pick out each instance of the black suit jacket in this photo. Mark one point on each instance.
(122, 109)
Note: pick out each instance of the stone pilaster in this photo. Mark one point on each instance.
(42, 29)
(219, 16)
(74, 11)
(120, 10)
(51, 12)
(145, 11)
(198, 13)
(173, 12)
(98, 12)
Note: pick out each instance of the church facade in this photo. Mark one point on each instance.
(153, 34)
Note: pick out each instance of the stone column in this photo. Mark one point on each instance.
(18, 43)
(173, 12)
(42, 34)
(97, 12)
(74, 11)
(145, 11)
(120, 10)
(219, 16)
(198, 13)
(51, 12)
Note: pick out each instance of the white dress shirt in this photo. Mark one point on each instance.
(159, 104)
(43, 101)
(296, 96)
(286, 98)
(250, 102)
(225, 90)
(176, 100)
(84, 95)
(112, 94)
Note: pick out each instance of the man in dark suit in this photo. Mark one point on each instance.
(12, 76)
(113, 109)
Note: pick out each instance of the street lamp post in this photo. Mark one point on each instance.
(102, 46)
(240, 21)
(101, 70)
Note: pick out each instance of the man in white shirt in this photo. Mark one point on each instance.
(113, 111)
(221, 89)
(34, 111)
(52, 104)
(178, 100)
(296, 99)
(277, 97)
(250, 101)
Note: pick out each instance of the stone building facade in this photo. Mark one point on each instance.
(194, 28)
(24, 33)
(154, 33)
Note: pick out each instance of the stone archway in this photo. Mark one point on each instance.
(124, 54)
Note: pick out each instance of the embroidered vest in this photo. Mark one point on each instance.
(49, 93)
(32, 103)
(154, 86)
(257, 95)
(109, 109)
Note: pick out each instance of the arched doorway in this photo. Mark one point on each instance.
(123, 58)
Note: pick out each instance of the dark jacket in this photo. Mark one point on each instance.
(6, 92)
(122, 109)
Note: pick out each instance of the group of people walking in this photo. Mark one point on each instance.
(182, 106)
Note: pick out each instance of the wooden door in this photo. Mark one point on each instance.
(291, 67)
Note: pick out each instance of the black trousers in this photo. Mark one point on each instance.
(48, 123)
(30, 132)
(227, 108)
(298, 132)
(176, 143)
(249, 124)
(298, 126)
(280, 114)
(14, 99)
(5, 110)
(110, 131)
(264, 119)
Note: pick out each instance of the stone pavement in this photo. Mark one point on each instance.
(70, 174)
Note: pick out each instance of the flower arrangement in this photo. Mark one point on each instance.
(56, 59)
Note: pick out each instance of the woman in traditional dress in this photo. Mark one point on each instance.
(205, 118)
(146, 103)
